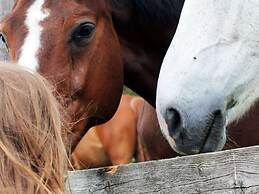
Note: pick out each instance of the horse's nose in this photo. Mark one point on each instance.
(174, 122)
(195, 131)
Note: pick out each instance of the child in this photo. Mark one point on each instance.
(32, 154)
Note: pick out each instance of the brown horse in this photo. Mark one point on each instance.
(112, 143)
(125, 136)
(74, 44)
(245, 131)
(151, 143)
(69, 42)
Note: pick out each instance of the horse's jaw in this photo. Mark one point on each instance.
(211, 66)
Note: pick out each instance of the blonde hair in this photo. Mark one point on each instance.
(32, 154)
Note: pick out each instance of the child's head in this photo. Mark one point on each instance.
(32, 154)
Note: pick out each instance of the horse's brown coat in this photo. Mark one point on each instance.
(111, 143)
(90, 78)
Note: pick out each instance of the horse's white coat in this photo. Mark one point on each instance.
(215, 51)
(29, 50)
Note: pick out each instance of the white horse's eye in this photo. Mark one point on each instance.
(232, 102)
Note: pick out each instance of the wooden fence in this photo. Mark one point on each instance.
(233, 171)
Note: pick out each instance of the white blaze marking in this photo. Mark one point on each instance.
(31, 45)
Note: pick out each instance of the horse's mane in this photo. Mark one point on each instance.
(146, 11)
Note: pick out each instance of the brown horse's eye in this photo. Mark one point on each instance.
(3, 39)
(83, 33)
(4, 50)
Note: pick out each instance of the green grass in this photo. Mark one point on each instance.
(128, 91)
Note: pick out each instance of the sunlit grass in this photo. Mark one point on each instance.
(128, 91)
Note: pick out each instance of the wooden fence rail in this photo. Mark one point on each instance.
(233, 171)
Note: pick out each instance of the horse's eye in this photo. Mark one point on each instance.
(3, 39)
(83, 33)
(3, 48)
(231, 103)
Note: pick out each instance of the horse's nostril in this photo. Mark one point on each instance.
(215, 118)
(173, 120)
(217, 113)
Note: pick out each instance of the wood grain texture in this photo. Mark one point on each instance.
(234, 171)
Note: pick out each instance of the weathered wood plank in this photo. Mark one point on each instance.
(233, 171)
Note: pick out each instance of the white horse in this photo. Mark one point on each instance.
(210, 74)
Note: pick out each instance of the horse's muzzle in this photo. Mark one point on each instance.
(196, 131)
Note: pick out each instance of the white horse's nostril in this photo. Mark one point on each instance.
(232, 102)
(173, 121)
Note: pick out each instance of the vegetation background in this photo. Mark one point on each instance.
(128, 91)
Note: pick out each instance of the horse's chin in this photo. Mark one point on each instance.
(211, 144)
